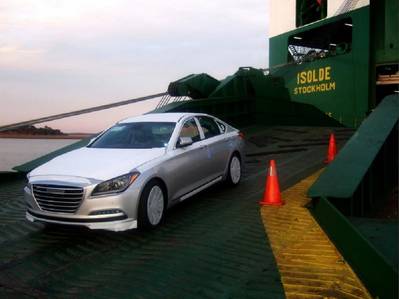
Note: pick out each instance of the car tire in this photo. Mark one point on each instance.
(234, 171)
(152, 206)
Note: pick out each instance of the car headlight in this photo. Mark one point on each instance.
(115, 185)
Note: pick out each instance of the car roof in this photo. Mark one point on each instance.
(158, 117)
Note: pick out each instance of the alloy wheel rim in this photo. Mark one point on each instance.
(155, 205)
(235, 170)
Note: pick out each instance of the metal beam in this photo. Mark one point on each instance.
(78, 112)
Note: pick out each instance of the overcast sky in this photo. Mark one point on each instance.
(63, 55)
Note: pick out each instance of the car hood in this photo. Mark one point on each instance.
(96, 163)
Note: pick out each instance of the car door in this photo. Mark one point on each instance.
(186, 166)
(217, 149)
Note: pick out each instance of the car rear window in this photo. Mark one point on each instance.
(222, 126)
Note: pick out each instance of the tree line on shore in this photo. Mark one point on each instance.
(32, 130)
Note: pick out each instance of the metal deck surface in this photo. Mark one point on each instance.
(211, 246)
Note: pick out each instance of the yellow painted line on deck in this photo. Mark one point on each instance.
(310, 266)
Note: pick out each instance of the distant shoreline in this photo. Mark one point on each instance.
(28, 136)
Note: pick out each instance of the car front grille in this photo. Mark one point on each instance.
(56, 198)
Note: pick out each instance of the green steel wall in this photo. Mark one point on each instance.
(235, 111)
(358, 183)
(344, 94)
(385, 20)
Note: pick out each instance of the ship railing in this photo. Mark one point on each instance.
(168, 99)
(79, 112)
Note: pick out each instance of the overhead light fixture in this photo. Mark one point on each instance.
(332, 44)
(297, 37)
(397, 91)
(348, 24)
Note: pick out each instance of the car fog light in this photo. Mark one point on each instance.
(106, 212)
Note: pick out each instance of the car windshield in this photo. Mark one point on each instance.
(136, 135)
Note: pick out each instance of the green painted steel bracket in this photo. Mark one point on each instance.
(338, 185)
(380, 278)
(231, 109)
(196, 86)
(342, 177)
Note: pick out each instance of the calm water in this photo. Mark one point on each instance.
(14, 152)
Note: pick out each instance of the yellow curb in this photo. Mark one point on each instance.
(310, 266)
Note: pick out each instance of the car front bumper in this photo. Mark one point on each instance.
(114, 212)
(115, 223)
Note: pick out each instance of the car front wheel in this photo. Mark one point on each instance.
(151, 206)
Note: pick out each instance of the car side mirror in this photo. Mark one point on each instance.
(184, 141)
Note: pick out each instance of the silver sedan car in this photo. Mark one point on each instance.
(132, 172)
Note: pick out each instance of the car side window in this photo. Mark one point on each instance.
(222, 126)
(190, 129)
(209, 126)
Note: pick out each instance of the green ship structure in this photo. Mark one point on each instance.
(333, 67)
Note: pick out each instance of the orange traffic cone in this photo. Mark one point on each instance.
(272, 194)
(332, 150)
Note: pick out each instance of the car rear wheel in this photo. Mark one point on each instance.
(151, 206)
(234, 171)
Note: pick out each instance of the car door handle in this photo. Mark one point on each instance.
(203, 146)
